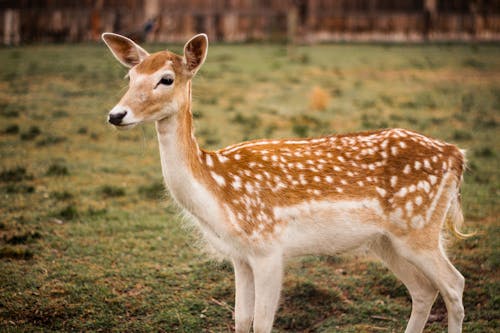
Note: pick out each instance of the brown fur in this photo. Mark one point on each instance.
(353, 168)
(158, 60)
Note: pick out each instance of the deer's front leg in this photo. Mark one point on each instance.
(245, 296)
(268, 275)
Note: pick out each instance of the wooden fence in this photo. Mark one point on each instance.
(28, 21)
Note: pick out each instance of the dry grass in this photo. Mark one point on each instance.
(319, 99)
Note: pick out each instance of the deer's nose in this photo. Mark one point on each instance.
(116, 118)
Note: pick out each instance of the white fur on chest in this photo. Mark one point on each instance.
(195, 198)
(203, 210)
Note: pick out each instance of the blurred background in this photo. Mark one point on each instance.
(90, 240)
(27, 21)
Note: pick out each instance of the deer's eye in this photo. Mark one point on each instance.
(167, 80)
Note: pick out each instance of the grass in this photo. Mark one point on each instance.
(89, 241)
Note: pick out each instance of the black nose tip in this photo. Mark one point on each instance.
(116, 118)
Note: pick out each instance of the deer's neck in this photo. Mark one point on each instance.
(184, 173)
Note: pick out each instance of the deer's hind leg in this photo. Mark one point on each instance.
(422, 247)
(447, 279)
(422, 291)
(425, 251)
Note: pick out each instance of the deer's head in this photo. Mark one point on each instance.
(158, 82)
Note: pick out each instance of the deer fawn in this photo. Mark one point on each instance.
(261, 202)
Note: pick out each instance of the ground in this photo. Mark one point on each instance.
(89, 240)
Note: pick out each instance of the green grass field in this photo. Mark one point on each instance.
(89, 241)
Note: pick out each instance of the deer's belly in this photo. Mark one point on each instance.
(325, 227)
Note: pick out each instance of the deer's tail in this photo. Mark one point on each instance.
(455, 217)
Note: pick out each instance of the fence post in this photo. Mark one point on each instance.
(11, 28)
(291, 30)
(430, 14)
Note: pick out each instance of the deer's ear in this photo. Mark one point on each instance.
(195, 52)
(124, 49)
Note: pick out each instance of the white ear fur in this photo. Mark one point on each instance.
(195, 53)
(124, 49)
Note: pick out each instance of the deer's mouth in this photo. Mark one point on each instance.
(126, 126)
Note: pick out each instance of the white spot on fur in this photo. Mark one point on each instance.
(237, 156)
(380, 191)
(407, 169)
(394, 180)
(418, 200)
(279, 185)
(236, 183)
(394, 150)
(218, 178)
(329, 179)
(296, 142)
(417, 165)
(402, 192)
(409, 207)
(222, 159)
(209, 161)
(427, 165)
(424, 185)
(433, 179)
